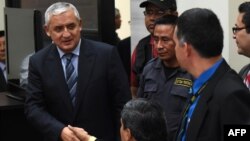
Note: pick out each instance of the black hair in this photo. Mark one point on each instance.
(167, 19)
(1, 33)
(202, 29)
(145, 119)
(162, 4)
(245, 8)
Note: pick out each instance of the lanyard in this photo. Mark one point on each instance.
(185, 115)
(193, 98)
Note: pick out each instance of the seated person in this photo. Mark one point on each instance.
(141, 120)
(3, 85)
(24, 70)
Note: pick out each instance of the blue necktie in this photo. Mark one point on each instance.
(71, 77)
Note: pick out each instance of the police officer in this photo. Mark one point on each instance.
(145, 50)
(162, 79)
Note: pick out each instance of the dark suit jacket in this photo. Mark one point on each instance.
(3, 85)
(243, 72)
(124, 50)
(102, 91)
(225, 100)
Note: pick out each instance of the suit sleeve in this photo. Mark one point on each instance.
(236, 108)
(35, 107)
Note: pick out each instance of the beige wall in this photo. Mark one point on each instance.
(124, 7)
(2, 4)
(138, 29)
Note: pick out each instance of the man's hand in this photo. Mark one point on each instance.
(68, 135)
(80, 133)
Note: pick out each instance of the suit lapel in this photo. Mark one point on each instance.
(202, 105)
(85, 66)
(55, 68)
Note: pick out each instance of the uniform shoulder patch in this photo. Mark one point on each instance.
(183, 82)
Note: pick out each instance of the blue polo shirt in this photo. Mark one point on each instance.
(198, 83)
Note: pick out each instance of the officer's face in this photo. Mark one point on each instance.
(164, 43)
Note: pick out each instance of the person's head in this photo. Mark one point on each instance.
(118, 20)
(155, 9)
(198, 30)
(143, 120)
(63, 24)
(163, 39)
(241, 30)
(2, 47)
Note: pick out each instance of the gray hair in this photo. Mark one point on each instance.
(59, 8)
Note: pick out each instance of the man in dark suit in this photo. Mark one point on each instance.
(124, 50)
(218, 96)
(74, 81)
(3, 85)
(241, 34)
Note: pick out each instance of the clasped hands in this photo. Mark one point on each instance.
(71, 133)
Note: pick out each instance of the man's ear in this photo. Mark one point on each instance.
(128, 136)
(46, 30)
(81, 24)
(187, 49)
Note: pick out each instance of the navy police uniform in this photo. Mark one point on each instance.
(171, 92)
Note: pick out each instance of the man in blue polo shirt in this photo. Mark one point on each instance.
(219, 96)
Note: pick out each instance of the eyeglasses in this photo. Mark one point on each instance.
(236, 29)
(155, 12)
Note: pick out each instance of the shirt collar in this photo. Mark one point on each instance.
(2, 65)
(203, 78)
(76, 51)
